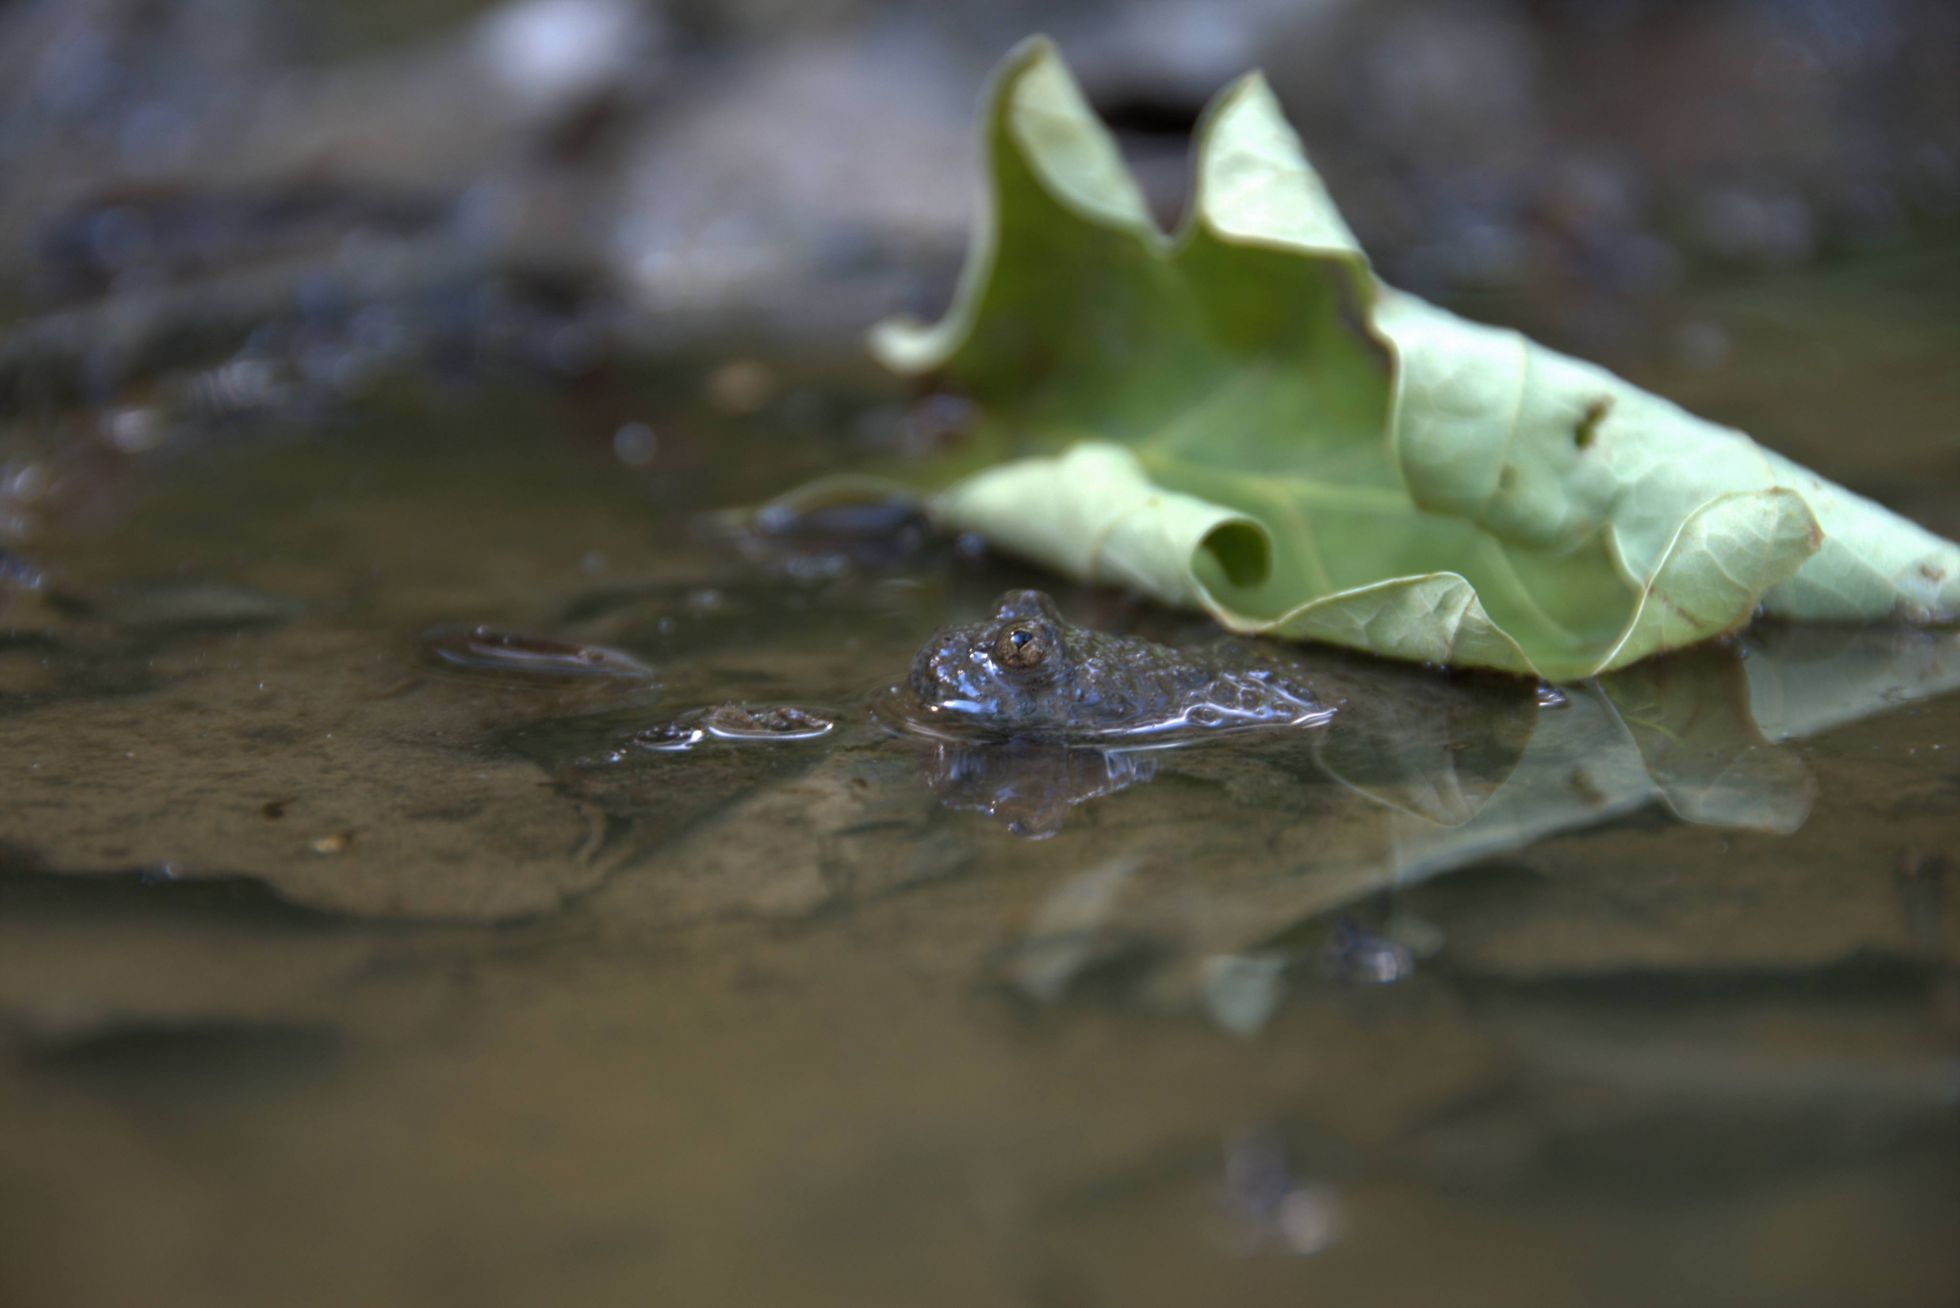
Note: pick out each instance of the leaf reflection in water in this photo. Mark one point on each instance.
(1482, 772)
(1695, 732)
(1702, 734)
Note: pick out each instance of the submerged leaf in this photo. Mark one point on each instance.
(1241, 419)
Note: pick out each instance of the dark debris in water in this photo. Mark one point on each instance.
(519, 656)
(823, 542)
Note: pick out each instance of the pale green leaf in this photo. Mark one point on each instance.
(1242, 419)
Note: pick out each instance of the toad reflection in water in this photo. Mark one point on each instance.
(1028, 784)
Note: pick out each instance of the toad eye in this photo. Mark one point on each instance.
(1020, 647)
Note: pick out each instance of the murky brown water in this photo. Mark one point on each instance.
(334, 969)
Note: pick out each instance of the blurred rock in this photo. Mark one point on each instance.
(823, 168)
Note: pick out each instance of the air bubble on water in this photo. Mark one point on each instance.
(669, 739)
(735, 722)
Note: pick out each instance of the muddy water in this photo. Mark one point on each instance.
(355, 946)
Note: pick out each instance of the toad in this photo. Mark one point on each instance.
(1027, 671)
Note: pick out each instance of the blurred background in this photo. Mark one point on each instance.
(311, 192)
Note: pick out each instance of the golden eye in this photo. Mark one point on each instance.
(1020, 647)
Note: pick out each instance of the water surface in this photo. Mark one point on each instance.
(347, 958)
